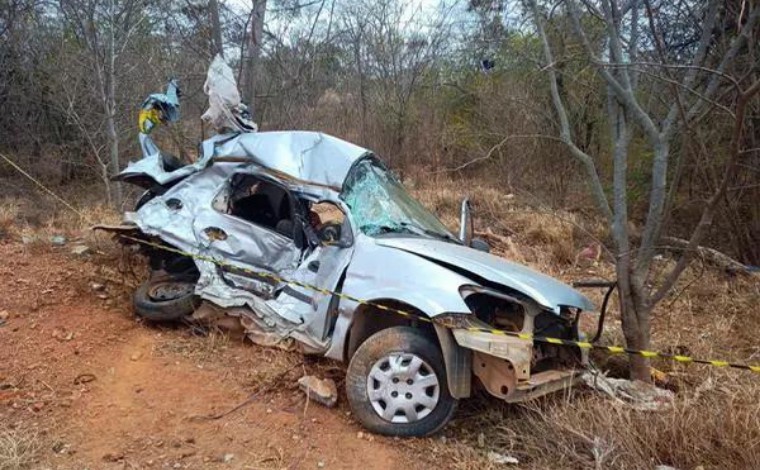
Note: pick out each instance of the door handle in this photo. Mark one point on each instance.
(215, 233)
(313, 266)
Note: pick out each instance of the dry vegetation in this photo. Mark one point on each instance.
(18, 449)
(713, 424)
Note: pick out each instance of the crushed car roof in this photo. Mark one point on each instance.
(311, 157)
(308, 157)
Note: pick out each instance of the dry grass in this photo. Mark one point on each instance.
(715, 420)
(713, 425)
(18, 449)
(9, 210)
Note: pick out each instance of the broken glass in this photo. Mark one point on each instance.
(380, 204)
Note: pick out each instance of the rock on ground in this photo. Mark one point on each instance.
(323, 391)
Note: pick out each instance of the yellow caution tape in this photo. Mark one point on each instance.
(524, 336)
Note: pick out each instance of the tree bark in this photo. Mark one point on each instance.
(216, 28)
(252, 59)
(110, 108)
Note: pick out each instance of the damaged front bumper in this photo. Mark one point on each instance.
(503, 365)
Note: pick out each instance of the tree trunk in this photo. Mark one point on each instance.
(252, 59)
(113, 143)
(216, 29)
(634, 313)
(113, 136)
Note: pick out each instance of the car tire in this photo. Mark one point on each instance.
(384, 349)
(173, 308)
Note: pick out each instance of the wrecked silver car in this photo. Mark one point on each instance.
(307, 238)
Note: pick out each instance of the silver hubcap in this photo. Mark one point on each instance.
(402, 388)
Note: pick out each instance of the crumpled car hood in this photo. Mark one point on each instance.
(547, 291)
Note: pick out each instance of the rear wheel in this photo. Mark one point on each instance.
(396, 384)
(165, 300)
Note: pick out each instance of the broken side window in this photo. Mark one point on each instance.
(260, 202)
(328, 221)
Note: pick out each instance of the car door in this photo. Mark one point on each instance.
(253, 257)
(317, 277)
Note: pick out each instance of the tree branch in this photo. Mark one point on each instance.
(708, 213)
(565, 133)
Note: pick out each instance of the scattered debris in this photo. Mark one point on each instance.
(28, 239)
(323, 391)
(58, 240)
(60, 447)
(639, 395)
(501, 459)
(61, 335)
(80, 250)
(84, 378)
(113, 457)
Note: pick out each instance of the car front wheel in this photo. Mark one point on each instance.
(396, 384)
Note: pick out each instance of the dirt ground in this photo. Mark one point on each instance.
(100, 389)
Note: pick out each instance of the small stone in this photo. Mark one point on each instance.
(98, 287)
(135, 357)
(501, 459)
(323, 391)
(4, 315)
(190, 440)
(58, 240)
(177, 465)
(227, 458)
(80, 250)
(59, 447)
(481, 440)
(320, 464)
(113, 456)
(37, 407)
(28, 239)
(360, 435)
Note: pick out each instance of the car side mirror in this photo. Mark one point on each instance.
(480, 245)
(466, 228)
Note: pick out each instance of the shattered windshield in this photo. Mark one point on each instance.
(379, 204)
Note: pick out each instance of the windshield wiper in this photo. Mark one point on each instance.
(408, 227)
(378, 229)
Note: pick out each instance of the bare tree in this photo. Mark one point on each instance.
(252, 54)
(692, 94)
(105, 28)
(394, 46)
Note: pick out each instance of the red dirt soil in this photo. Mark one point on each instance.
(103, 390)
